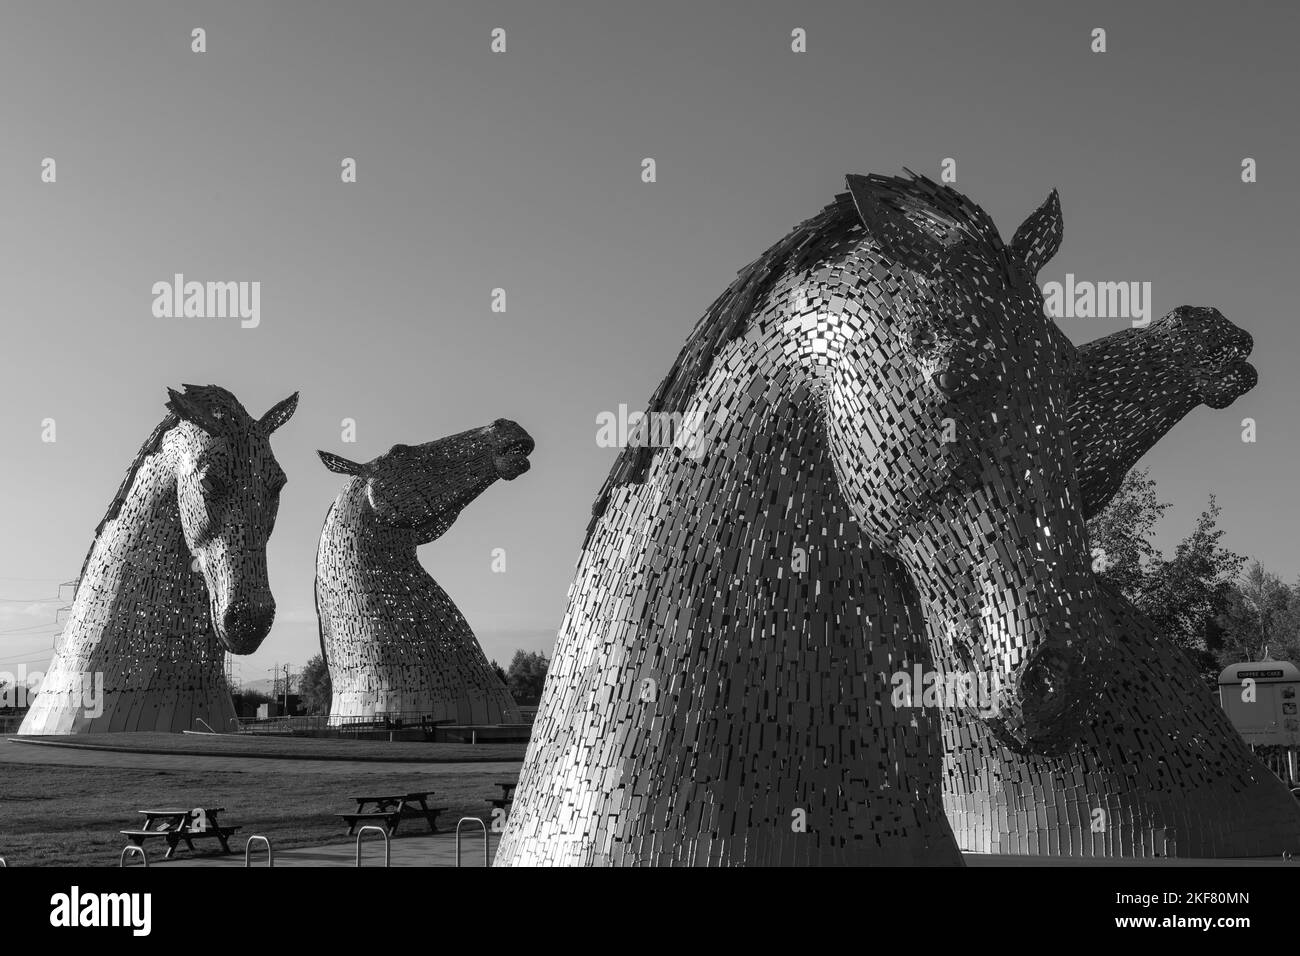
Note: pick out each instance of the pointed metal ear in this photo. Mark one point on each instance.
(340, 465)
(189, 410)
(278, 414)
(1039, 236)
(900, 238)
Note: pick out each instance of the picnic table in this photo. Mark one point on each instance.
(174, 825)
(507, 794)
(388, 810)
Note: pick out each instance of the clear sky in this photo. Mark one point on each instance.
(521, 170)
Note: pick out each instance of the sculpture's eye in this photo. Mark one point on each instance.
(923, 337)
(377, 501)
(213, 486)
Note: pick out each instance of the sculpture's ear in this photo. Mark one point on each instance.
(1039, 236)
(278, 414)
(340, 465)
(189, 410)
(900, 238)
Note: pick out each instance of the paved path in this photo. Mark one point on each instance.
(24, 753)
(440, 850)
(429, 849)
(988, 859)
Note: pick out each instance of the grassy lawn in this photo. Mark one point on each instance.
(64, 815)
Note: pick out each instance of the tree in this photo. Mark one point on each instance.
(246, 700)
(526, 676)
(1260, 618)
(1188, 596)
(1293, 617)
(500, 672)
(1120, 535)
(314, 686)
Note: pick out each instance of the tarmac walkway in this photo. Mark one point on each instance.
(426, 849)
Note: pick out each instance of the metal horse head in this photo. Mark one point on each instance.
(423, 488)
(228, 489)
(946, 402)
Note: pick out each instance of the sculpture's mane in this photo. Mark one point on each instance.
(938, 208)
(212, 397)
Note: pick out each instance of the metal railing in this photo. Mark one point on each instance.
(128, 850)
(270, 857)
(9, 723)
(344, 726)
(482, 826)
(388, 846)
(326, 726)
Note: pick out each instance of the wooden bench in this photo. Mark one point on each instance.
(503, 804)
(507, 797)
(173, 826)
(390, 809)
(387, 819)
(174, 837)
(420, 809)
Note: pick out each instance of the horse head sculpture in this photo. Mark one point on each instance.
(396, 644)
(947, 415)
(175, 577)
(883, 431)
(423, 488)
(228, 487)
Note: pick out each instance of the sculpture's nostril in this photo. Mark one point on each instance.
(246, 622)
(1243, 342)
(1045, 692)
(1228, 342)
(510, 438)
